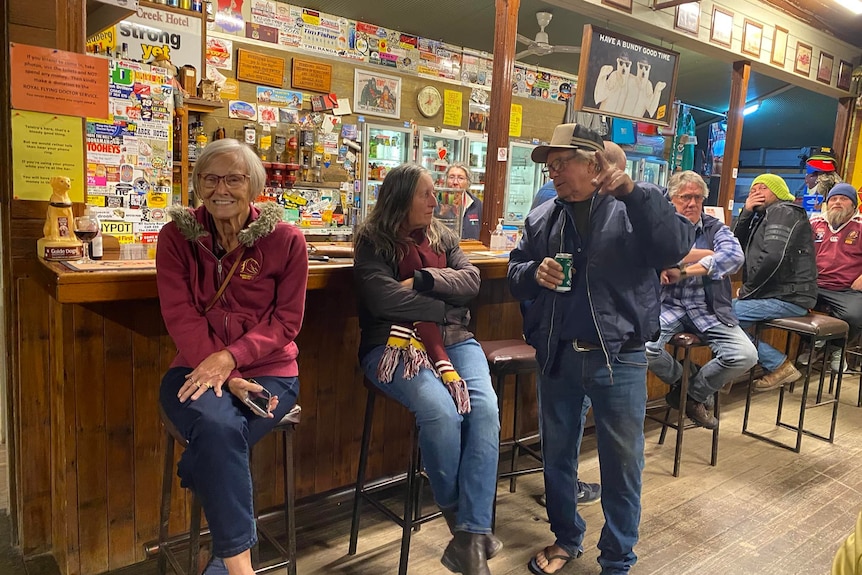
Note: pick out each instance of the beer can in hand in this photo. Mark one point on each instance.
(565, 260)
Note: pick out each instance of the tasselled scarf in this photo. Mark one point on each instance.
(420, 344)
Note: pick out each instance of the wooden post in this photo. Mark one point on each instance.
(733, 141)
(505, 30)
(841, 139)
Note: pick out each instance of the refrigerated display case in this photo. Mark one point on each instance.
(477, 150)
(647, 169)
(523, 180)
(383, 148)
(437, 150)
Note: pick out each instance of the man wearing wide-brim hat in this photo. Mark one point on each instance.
(589, 340)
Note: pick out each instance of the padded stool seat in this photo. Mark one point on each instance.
(816, 328)
(165, 549)
(411, 519)
(513, 357)
(687, 342)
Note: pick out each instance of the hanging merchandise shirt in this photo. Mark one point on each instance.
(684, 141)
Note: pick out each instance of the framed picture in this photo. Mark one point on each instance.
(824, 68)
(779, 46)
(376, 94)
(752, 38)
(721, 31)
(845, 75)
(611, 63)
(802, 63)
(688, 18)
(625, 5)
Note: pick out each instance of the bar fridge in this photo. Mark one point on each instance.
(477, 151)
(647, 169)
(439, 149)
(523, 180)
(383, 148)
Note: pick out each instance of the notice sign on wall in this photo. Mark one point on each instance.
(259, 68)
(311, 76)
(58, 82)
(43, 146)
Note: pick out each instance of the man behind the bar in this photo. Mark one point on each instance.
(696, 297)
(838, 250)
(780, 275)
(590, 341)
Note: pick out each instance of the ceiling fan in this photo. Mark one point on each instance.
(540, 46)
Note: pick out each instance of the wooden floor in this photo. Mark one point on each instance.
(762, 510)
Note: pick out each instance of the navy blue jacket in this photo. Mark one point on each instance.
(629, 240)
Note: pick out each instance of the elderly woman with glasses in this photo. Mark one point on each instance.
(459, 176)
(231, 280)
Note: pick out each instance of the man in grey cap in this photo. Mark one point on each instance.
(838, 252)
(589, 339)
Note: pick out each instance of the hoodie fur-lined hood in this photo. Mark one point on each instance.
(188, 223)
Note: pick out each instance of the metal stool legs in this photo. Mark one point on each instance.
(680, 425)
(799, 427)
(412, 519)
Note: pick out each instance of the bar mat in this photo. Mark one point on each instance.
(111, 265)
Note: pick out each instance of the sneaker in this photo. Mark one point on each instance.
(589, 493)
(785, 373)
(805, 358)
(835, 359)
(699, 414)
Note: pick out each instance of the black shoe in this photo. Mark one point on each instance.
(466, 554)
(493, 545)
(699, 414)
(672, 397)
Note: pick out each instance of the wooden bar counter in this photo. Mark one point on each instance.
(103, 348)
(98, 341)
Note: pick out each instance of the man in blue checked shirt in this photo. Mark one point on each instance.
(696, 298)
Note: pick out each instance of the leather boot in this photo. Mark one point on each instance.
(466, 554)
(493, 545)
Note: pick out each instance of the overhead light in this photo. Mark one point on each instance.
(854, 6)
(750, 109)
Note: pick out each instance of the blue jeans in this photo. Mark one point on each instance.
(220, 431)
(619, 404)
(732, 355)
(751, 311)
(460, 452)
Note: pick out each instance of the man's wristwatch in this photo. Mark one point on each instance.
(682, 272)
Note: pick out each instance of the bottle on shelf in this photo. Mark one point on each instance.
(201, 139)
(498, 238)
(264, 143)
(280, 143)
(249, 134)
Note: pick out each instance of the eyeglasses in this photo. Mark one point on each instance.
(455, 178)
(697, 198)
(231, 181)
(558, 165)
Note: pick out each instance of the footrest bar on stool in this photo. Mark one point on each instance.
(805, 432)
(771, 441)
(519, 472)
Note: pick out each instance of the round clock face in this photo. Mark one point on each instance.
(429, 101)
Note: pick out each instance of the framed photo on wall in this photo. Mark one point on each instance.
(802, 63)
(845, 75)
(779, 46)
(611, 63)
(688, 18)
(824, 68)
(625, 5)
(752, 38)
(721, 30)
(376, 94)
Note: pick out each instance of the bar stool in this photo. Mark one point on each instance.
(687, 342)
(513, 357)
(817, 328)
(412, 519)
(167, 553)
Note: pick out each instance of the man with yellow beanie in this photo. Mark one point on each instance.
(780, 273)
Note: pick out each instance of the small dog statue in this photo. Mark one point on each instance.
(59, 242)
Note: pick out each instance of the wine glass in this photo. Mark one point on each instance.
(86, 228)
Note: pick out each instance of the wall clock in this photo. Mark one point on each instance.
(429, 101)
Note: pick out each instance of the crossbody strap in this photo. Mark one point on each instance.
(223, 285)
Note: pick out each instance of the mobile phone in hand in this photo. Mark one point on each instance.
(258, 402)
